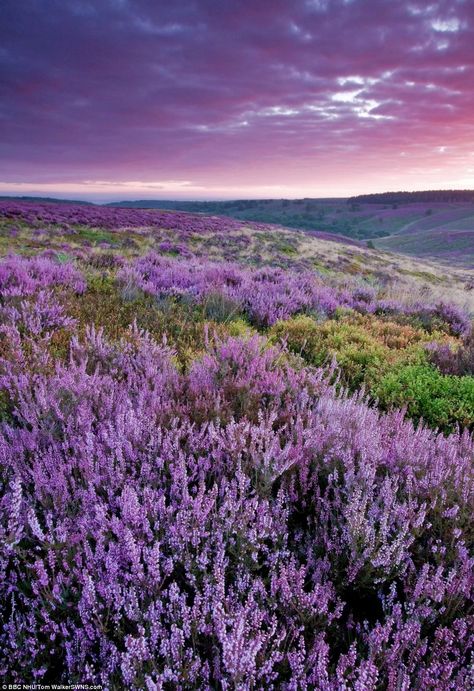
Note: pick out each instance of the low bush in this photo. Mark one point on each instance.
(442, 401)
(182, 323)
(105, 260)
(220, 308)
(363, 346)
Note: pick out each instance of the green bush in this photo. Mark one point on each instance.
(104, 304)
(240, 328)
(364, 348)
(6, 407)
(441, 400)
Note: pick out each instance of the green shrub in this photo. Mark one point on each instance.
(104, 305)
(441, 400)
(364, 348)
(240, 328)
(96, 235)
(6, 407)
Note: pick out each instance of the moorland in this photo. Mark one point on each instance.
(233, 454)
(435, 225)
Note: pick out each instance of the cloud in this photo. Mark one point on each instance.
(446, 25)
(294, 94)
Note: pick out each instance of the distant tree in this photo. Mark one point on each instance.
(426, 196)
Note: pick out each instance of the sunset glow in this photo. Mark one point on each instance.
(118, 99)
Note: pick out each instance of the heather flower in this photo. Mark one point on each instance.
(230, 546)
(241, 523)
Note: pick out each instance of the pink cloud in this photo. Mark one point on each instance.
(318, 97)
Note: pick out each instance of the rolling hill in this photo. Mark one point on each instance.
(432, 225)
(436, 226)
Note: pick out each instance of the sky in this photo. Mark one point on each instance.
(215, 99)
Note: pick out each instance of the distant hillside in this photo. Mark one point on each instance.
(382, 220)
(328, 215)
(46, 200)
(435, 225)
(425, 197)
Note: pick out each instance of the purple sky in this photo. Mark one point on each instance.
(224, 98)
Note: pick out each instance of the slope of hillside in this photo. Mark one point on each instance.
(325, 215)
(451, 246)
(382, 223)
(455, 215)
(446, 234)
(385, 223)
(28, 228)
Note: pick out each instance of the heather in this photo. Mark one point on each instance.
(108, 218)
(451, 360)
(212, 475)
(21, 278)
(268, 294)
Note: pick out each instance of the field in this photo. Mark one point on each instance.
(443, 231)
(233, 455)
(431, 229)
(446, 234)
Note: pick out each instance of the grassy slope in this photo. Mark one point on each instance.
(454, 246)
(402, 275)
(357, 221)
(446, 234)
(387, 225)
(432, 230)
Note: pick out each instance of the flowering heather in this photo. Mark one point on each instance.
(458, 362)
(240, 526)
(20, 277)
(39, 214)
(227, 517)
(268, 294)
